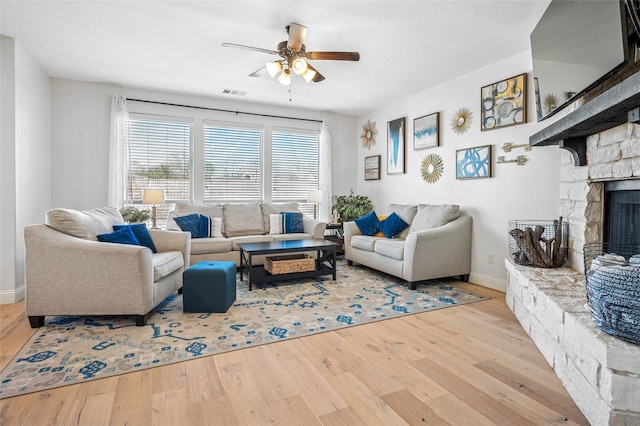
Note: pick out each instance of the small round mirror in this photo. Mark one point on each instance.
(460, 121)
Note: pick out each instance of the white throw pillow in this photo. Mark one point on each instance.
(275, 224)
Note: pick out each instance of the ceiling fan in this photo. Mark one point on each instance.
(295, 57)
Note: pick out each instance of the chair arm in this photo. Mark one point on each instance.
(350, 229)
(69, 275)
(313, 227)
(173, 241)
(439, 252)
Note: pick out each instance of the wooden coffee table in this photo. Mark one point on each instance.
(325, 259)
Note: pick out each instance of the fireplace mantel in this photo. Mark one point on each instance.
(607, 110)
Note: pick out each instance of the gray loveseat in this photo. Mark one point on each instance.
(240, 223)
(437, 244)
(69, 272)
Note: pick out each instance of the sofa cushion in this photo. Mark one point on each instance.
(120, 236)
(276, 208)
(390, 248)
(432, 216)
(165, 263)
(393, 225)
(142, 234)
(364, 242)
(211, 210)
(406, 212)
(249, 239)
(243, 219)
(368, 224)
(85, 224)
(210, 245)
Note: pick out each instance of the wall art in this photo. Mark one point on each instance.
(372, 167)
(472, 163)
(396, 146)
(426, 131)
(461, 121)
(368, 135)
(431, 168)
(504, 103)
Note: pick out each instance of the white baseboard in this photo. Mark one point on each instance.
(11, 296)
(487, 281)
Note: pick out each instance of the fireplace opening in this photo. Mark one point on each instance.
(622, 215)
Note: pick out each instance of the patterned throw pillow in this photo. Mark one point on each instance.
(291, 222)
(190, 223)
(210, 227)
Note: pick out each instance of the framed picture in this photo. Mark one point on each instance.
(504, 103)
(426, 131)
(472, 163)
(395, 146)
(372, 167)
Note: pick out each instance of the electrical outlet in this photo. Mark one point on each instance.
(491, 259)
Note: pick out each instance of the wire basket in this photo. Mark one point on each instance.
(539, 243)
(613, 288)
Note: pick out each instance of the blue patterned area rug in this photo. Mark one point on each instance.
(70, 350)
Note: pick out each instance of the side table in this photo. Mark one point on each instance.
(336, 236)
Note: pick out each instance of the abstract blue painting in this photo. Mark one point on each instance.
(395, 146)
(425, 131)
(473, 163)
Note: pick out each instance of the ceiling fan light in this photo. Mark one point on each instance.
(299, 65)
(285, 78)
(308, 75)
(273, 68)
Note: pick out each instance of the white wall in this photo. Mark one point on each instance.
(80, 135)
(514, 192)
(25, 160)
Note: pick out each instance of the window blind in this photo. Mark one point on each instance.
(232, 164)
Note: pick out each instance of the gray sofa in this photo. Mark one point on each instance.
(240, 223)
(69, 272)
(437, 244)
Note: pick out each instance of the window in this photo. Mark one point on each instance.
(159, 157)
(232, 164)
(294, 166)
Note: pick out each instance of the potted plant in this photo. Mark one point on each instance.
(133, 215)
(350, 207)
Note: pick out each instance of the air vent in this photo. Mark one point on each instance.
(233, 92)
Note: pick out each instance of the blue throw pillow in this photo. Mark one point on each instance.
(142, 234)
(121, 236)
(368, 223)
(291, 222)
(189, 223)
(206, 226)
(392, 226)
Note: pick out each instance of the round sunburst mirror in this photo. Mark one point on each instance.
(461, 121)
(368, 135)
(431, 168)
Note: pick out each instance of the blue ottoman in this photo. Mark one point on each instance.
(209, 287)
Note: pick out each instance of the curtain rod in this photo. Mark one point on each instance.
(225, 110)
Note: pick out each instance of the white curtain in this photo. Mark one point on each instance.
(324, 208)
(118, 158)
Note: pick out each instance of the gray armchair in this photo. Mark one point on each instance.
(69, 272)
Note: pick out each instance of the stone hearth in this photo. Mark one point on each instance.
(600, 372)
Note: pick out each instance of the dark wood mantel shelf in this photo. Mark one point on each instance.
(603, 112)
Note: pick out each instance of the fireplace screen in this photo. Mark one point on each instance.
(622, 218)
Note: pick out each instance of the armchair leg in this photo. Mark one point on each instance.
(141, 320)
(180, 290)
(350, 262)
(412, 285)
(464, 278)
(36, 321)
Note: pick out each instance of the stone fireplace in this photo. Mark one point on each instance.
(600, 372)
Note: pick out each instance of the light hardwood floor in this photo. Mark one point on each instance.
(471, 364)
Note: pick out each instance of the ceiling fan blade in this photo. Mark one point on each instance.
(317, 78)
(297, 34)
(333, 56)
(259, 72)
(256, 49)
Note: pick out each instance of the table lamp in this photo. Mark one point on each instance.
(153, 197)
(315, 196)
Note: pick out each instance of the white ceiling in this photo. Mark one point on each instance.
(405, 46)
